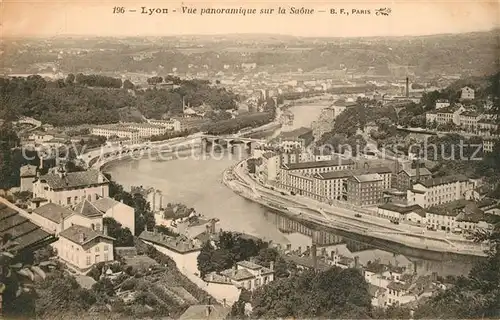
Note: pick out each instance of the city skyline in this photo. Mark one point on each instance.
(59, 18)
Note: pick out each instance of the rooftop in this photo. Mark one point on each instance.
(401, 209)
(205, 312)
(28, 235)
(237, 274)
(87, 209)
(413, 172)
(82, 235)
(318, 164)
(367, 177)
(179, 244)
(53, 212)
(104, 204)
(74, 179)
(443, 180)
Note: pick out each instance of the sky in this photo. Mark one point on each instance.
(95, 18)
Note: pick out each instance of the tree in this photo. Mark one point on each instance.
(70, 79)
(334, 293)
(123, 236)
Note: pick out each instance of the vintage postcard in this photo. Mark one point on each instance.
(249, 159)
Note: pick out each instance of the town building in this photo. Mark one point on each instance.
(249, 275)
(469, 120)
(147, 130)
(82, 247)
(69, 188)
(122, 213)
(299, 176)
(457, 216)
(299, 138)
(182, 250)
(441, 190)
(408, 177)
(109, 131)
(28, 176)
(467, 93)
(365, 189)
(171, 124)
(394, 212)
(269, 168)
(442, 103)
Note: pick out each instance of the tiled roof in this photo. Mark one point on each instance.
(374, 290)
(400, 209)
(249, 265)
(398, 286)
(413, 172)
(180, 244)
(104, 204)
(443, 180)
(237, 275)
(319, 164)
(217, 278)
(200, 312)
(26, 233)
(337, 174)
(53, 212)
(82, 235)
(28, 171)
(368, 177)
(87, 209)
(74, 179)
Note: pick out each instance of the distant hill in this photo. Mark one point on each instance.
(467, 54)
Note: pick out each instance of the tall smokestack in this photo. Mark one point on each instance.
(407, 87)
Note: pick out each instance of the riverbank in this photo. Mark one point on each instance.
(427, 247)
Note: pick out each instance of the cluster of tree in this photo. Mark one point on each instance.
(334, 294)
(341, 143)
(143, 214)
(123, 236)
(229, 249)
(74, 102)
(234, 125)
(94, 80)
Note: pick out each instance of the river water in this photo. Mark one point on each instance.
(197, 183)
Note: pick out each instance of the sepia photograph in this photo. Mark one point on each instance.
(249, 160)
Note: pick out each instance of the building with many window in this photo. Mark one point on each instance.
(441, 190)
(408, 177)
(365, 189)
(82, 247)
(69, 188)
(171, 124)
(249, 275)
(116, 131)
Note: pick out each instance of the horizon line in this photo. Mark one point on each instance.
(61, 36)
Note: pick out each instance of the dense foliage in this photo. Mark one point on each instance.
(229, 249)
(331, 294)
(123, 236)
(95, 99)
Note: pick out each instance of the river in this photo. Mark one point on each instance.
(197, 183)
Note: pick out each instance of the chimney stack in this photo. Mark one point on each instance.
(417, 170)
(407, 87)
(434, 276)
(313, 256)
(235, 268)
(271, 265)
(415, 267)
(105, 230)
(356, 262)
(82, 237)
